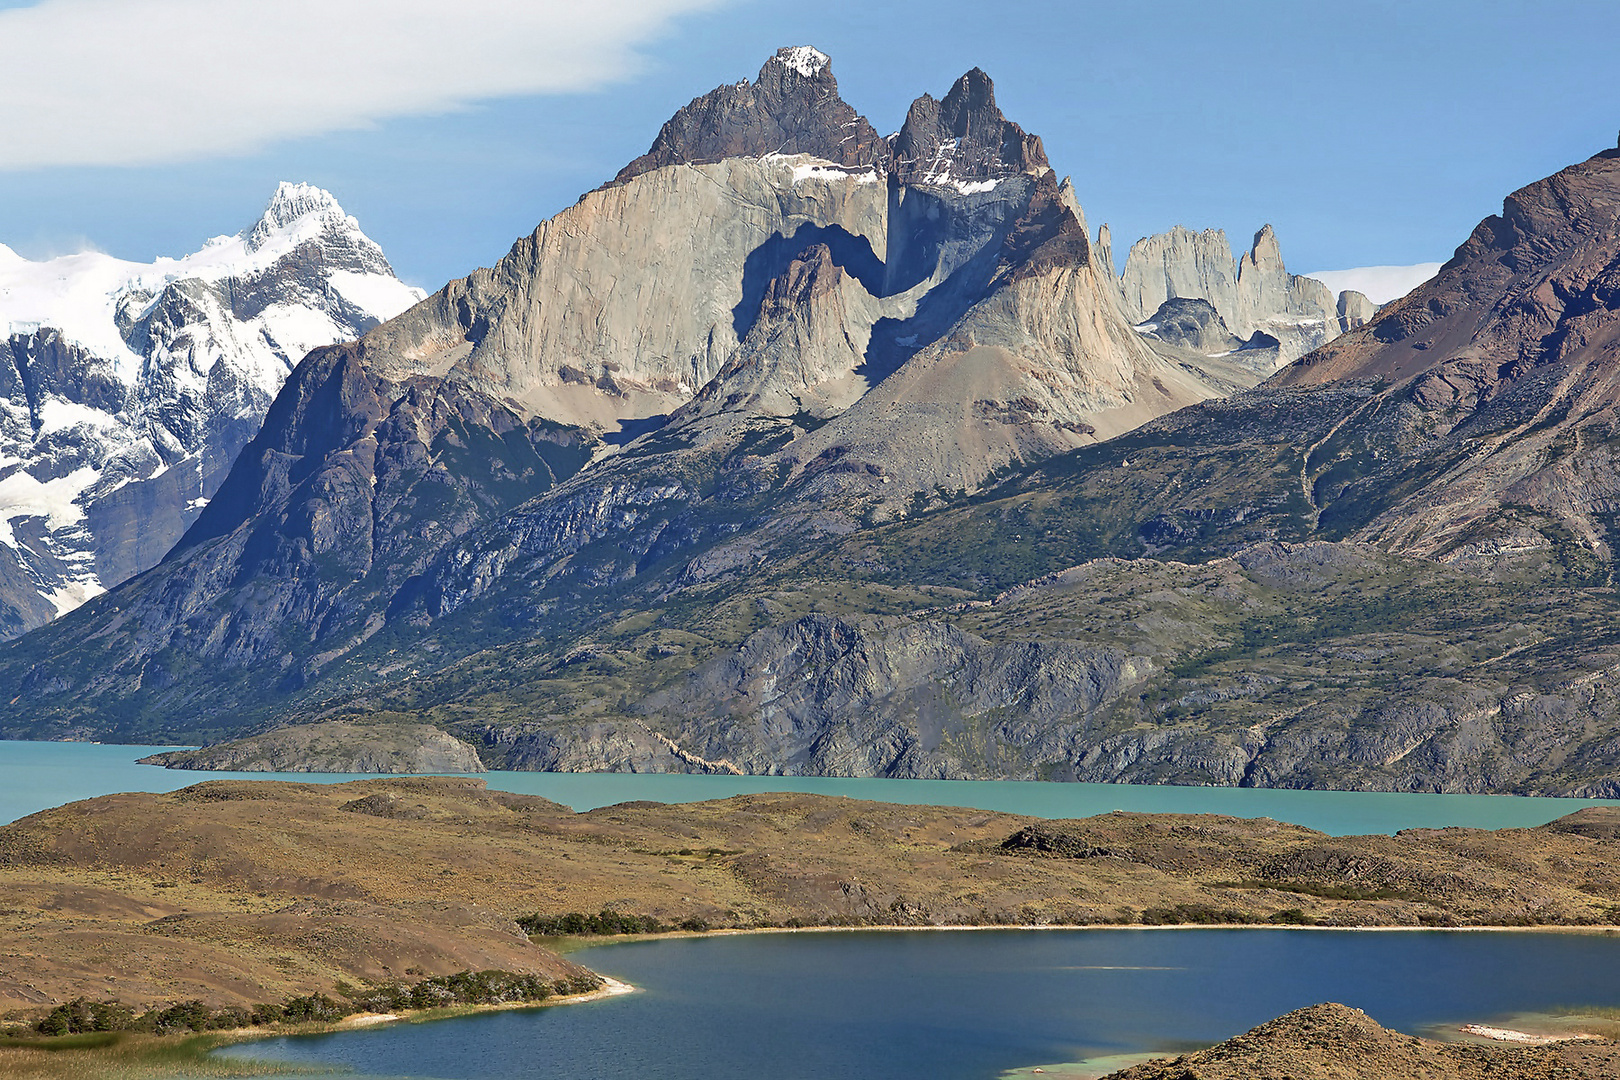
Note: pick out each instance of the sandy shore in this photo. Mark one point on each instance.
(1525, 1038)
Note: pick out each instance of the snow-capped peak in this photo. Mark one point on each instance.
(291, 206)
(80, 295)
(803, 59)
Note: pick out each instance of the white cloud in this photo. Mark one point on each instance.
(130, 82)
(1380, 284)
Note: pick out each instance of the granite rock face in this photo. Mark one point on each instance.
(126, 390)
(1253, 295)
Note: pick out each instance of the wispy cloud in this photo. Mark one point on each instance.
(137, 82)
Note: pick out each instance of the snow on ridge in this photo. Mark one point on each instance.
(79, 295)
(803, 59)
(1380, 284)
(804, 167)
(975, 187)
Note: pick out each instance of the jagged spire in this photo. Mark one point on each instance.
(792, 107)
(964, 139)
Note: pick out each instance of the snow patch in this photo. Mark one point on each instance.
(70, 595)
(938, 170)
(802, 173)
(975, 187)
(803, 59)
(380, 296)
(24, 496)
(1380, 284)
(56, 414)
(804, 167)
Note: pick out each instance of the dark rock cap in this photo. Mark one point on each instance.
(792, 107)
(964, 139)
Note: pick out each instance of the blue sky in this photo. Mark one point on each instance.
(1366, 133)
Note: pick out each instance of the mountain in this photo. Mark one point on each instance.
(127, 389)
(1253, 295)
(779, 463)
(772, 313)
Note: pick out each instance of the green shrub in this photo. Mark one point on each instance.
(1196, 914)
(576, 924)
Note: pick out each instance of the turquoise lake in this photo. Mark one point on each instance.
(37, 775)
(969, 1005)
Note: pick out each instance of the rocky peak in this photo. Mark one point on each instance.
(964, 140)
(1538, 283)
(792, 107)
(294, 205)
(1253, 294)
(1263, 253)
(302, 236)
(812, 273)
(1191, 323)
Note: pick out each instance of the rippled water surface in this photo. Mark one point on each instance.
(942, 1005)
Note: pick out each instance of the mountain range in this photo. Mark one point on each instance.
(127, 389)
(797, 449)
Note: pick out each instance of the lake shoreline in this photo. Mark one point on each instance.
(568, 945)
(124, 1055)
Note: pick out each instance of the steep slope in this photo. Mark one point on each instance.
(1502, 376)
(126, 389)
(769, 321)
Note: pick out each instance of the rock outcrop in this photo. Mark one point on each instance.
(1333, 1041)
(791, 108)
(126, 390)
(1254, 294)
(333, 747)
(964, 141)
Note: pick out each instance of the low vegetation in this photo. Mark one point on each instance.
(604, 922)
(83, 1016)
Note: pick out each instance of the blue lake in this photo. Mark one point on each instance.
(37, 775)
(942, 1005)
